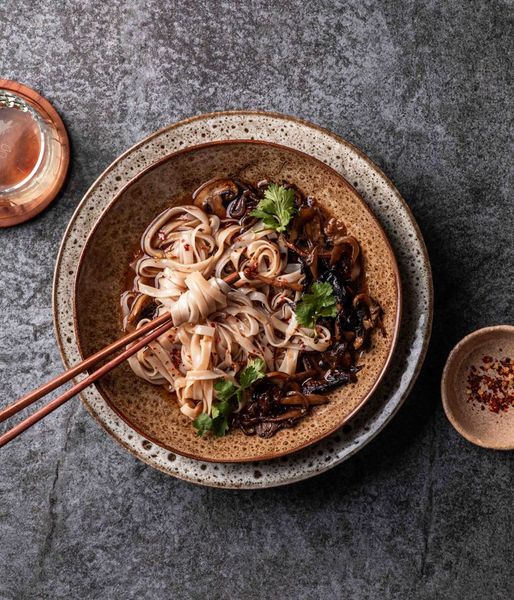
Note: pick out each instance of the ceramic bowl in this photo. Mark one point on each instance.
(150, 410)
(471, 419)
(394, 215)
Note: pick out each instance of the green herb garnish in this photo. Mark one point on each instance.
(202, 424)
(220, 413)
(277, 207)
(319, 303)
(226, 393)
(254, 370)
(225, 389)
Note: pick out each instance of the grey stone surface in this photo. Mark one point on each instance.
(425, 88)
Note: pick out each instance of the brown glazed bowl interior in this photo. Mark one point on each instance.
(103, 267)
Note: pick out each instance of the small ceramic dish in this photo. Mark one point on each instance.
(473, 419)
(150, 410)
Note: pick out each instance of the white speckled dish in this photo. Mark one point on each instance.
(389, 208)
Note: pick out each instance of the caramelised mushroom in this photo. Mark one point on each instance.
(272, 406)
(306, 213)
(214, 194)
(338, 249)
(330, 380)
(372, 315)
(277, 376)
(338, 355)
(142, 307)
(244, 203)
(237, 208)
(335, 230)
(336, 233)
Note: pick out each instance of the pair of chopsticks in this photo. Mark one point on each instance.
(150, 331)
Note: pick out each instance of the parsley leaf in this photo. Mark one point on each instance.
(253, 371)
(218, 421)
(221, 409)
(202, 424)
(225, 389)
(220, 413)
(319, 303)
(225, 393)
(277, 208)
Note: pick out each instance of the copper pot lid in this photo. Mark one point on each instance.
(34, 153)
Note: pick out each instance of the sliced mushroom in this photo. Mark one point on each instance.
(267, 430)
(306, 213)
(211, 195)
(331, 379)
(301, 375)
(295, 398)
(362, 298)
(335, 230)
(374, 317)
(277, 375)
(141, 305)
(355, 272)
(316, 400)
(294, 248)
(237, 208)
(313, 231)
(341, 242)
(335, 255)
(308, 258)
(373, 307)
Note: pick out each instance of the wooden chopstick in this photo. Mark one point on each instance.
(56, 382)
(164, 322)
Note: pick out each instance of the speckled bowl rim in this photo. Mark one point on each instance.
(420, 337)
(450, 365)
(363, 207)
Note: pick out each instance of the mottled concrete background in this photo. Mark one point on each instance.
(424, 88)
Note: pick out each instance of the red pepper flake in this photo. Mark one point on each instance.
(493, 384)
(176, 357)
(187, 247)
